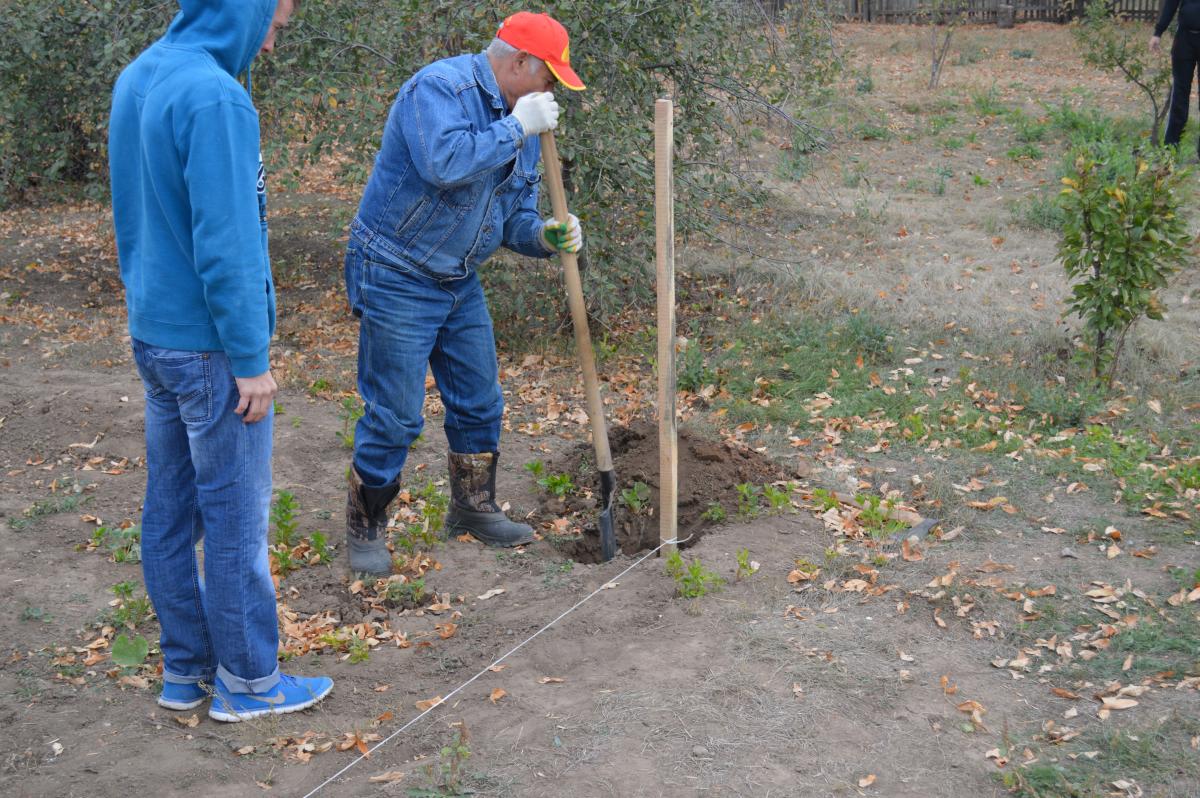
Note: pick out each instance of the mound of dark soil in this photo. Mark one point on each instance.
(709, 472)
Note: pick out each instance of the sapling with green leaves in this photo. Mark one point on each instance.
(1123, 239)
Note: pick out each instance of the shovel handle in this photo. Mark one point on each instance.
(583, 338)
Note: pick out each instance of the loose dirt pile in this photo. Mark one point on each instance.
(709, 472)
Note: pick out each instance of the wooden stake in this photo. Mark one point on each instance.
(664, 228)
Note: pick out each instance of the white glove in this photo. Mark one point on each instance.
(537, 112)
(563, 236)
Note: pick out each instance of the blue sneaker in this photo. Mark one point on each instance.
(182, 696)
(292, 694)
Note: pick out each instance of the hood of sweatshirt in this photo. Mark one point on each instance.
(232, 31)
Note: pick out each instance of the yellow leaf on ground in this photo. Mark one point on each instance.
(497, 694)
(1117, 703)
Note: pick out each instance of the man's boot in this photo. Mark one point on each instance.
(366, 526)
(473, 507)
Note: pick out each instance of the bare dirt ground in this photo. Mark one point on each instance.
(848, 663)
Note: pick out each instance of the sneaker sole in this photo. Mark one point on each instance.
(180, 705)
(251, 714)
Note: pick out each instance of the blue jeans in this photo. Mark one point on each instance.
(209, 478)
(408, 321)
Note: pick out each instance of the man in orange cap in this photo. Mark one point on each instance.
(455, 179)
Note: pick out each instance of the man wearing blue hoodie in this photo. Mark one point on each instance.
(189, 209)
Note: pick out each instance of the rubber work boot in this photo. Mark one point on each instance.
(366, 525)
(473, 507)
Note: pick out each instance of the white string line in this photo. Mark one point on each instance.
(518, 647)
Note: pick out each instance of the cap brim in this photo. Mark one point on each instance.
(566, 76)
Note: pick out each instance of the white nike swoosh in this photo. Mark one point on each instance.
(278, 698)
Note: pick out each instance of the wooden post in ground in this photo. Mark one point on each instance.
(664, 228)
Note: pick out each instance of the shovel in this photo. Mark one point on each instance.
(587, 362)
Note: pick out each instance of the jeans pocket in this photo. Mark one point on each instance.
(188, 377)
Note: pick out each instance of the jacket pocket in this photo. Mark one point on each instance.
(411, 220)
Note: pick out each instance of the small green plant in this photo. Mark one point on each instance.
(285, 563)
(697, 581)
(320, 547)
(864, 84)
(446, 775)
(825, 499)
(1026, 151)
(416, 537)
(745, 567)
(123, 544)
(1021, 53)
(778, 499)
(283, 517)
(359, 649)
(535, 468)
(434, 505)
(636, 497)
(714, 512)
(748, 497)
(40, 509)
(352, 410)
(319, 386)
(875, 515)
(39, 614)
(557, 484)
(980, 180)
(130, 610)
(404, 592)
(953, 143)
(987, 103)
(278, 408)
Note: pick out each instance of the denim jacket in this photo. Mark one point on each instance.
(455, 178)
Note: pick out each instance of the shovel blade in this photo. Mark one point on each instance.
(608, 532)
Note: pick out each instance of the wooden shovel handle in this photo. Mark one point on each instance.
(583, 338)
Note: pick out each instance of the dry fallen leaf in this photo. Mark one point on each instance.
(497, 694)
(1110, 702)
(191, 722)
(429, 703)
(867, 781)
(388, 777)
(496, 591)
(551, 680)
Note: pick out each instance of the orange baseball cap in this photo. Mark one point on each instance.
(543, 37)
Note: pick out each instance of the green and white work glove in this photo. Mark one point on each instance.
(563, 236)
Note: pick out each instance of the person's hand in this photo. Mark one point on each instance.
(1154, 43)
(563, 236)
(257, 396)
(537, 112)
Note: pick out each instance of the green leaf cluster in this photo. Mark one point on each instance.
(1122, 240)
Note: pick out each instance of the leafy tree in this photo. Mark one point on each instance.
(326, 90)
(58, 62)
(1116, 45)
(1122, 241)
(729, 68)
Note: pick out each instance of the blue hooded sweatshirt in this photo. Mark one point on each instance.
(188, 191)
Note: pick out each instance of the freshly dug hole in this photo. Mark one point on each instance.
(709, 472)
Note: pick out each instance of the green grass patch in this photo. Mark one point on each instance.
(1156, 756)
